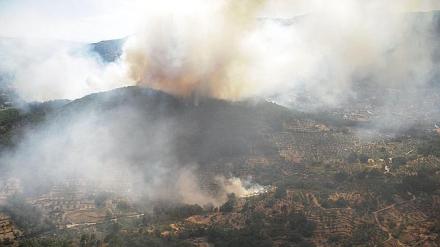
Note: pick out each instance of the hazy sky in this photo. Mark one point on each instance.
(94, 20)
(74, 20)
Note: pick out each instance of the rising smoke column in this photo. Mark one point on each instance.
(199, 53)
(225, 49)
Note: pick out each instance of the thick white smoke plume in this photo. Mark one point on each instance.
(41, 70)
(238, 49)
(234, 50)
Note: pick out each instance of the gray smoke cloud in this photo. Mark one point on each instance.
(125, 149)
(374, 57)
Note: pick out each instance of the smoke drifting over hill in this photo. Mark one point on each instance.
(41, 70)
(229, 50)
(135, 142)
(234, 50)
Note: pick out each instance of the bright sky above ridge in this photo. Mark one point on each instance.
(94, 20)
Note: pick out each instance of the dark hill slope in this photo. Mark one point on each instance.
(207, 130)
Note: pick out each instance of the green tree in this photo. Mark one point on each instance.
(228, 206)
(280, 191)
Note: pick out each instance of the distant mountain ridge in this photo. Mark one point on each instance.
(109, 50)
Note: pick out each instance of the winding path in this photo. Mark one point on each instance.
(385, 229)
